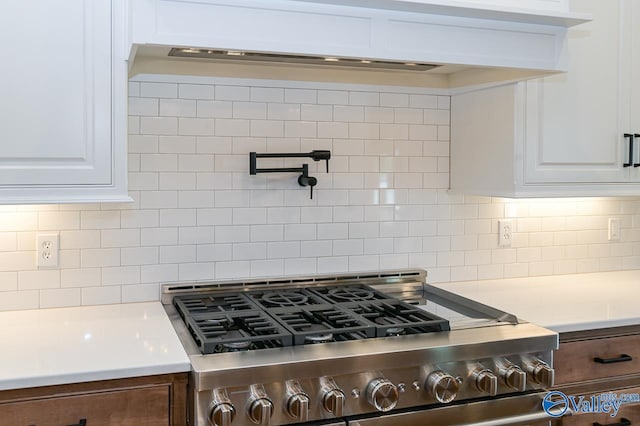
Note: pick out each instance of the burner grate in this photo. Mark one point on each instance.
(350, 293)
(394, 317)
(233, 331)
(324, 323)
(269, 299)
(199, 304)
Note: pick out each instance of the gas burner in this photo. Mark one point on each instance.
(270, 299)
(319, 338)
(285, 298)
(396, 331)
(351, 294)
(236, 346)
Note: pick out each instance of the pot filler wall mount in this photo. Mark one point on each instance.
(304, 179)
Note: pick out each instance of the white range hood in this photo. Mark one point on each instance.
(472, 42)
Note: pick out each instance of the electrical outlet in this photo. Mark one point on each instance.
(614, 229)
(504, 232)
(48, 248)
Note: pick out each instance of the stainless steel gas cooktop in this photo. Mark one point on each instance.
(347, 348)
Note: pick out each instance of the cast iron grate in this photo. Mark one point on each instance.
(350, 293)
(322, 323)
(395, 318)
(198, 304)
(236, 331)
(268, 299)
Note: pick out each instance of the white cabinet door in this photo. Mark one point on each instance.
(633, 90)
(56, 111)
(573, 122)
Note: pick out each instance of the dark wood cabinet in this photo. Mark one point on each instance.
(590, 363)
(141, 401)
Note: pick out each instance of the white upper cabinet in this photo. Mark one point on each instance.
(63, 108)
(562, 135)
(471, 41)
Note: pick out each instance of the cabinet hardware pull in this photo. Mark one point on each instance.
(630, 162)
(636, 137)
(622, 422)
(83, 422)
(621, 358)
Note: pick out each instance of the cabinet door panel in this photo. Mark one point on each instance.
(131, 407)
(573, 120)
(634, 71)
(55, 81)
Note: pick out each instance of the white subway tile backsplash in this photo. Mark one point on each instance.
(60, 298)
(300, 266)
(214, 109)
(332, 231)
(143, 106)
(213, 252)
(333, 97)
(101, 295)
(266, 94)
(195, 126)
(158, 90)
(176, 108)
(196, 235)
(267, 268)
(300, 96)
(195, 91)
(283, 249)
(199, 215)
(266, 128)
(249, 251)
(121, 275)
(282, 111)
(139, 256)
(159, 125)
(140, 293)
(423, 101)
(120, 237)
(316, 113)
(36, 280)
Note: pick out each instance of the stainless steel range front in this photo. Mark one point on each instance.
(358, 349)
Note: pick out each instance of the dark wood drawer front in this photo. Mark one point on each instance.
(574, 361)
(131, 407)
(627, 413)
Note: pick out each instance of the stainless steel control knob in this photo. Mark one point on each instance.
(382, 394)
(298, 407)
(442, 386)
(297, 403)
(515, 378)
(485, 381)
(333, 402)
(221, 410)
(540, 372)
(260, 408)
(222, 414)
(333, 397)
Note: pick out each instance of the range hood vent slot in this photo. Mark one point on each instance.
(298, 59)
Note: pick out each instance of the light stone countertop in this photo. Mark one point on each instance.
(68, 345)
(562, 303)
